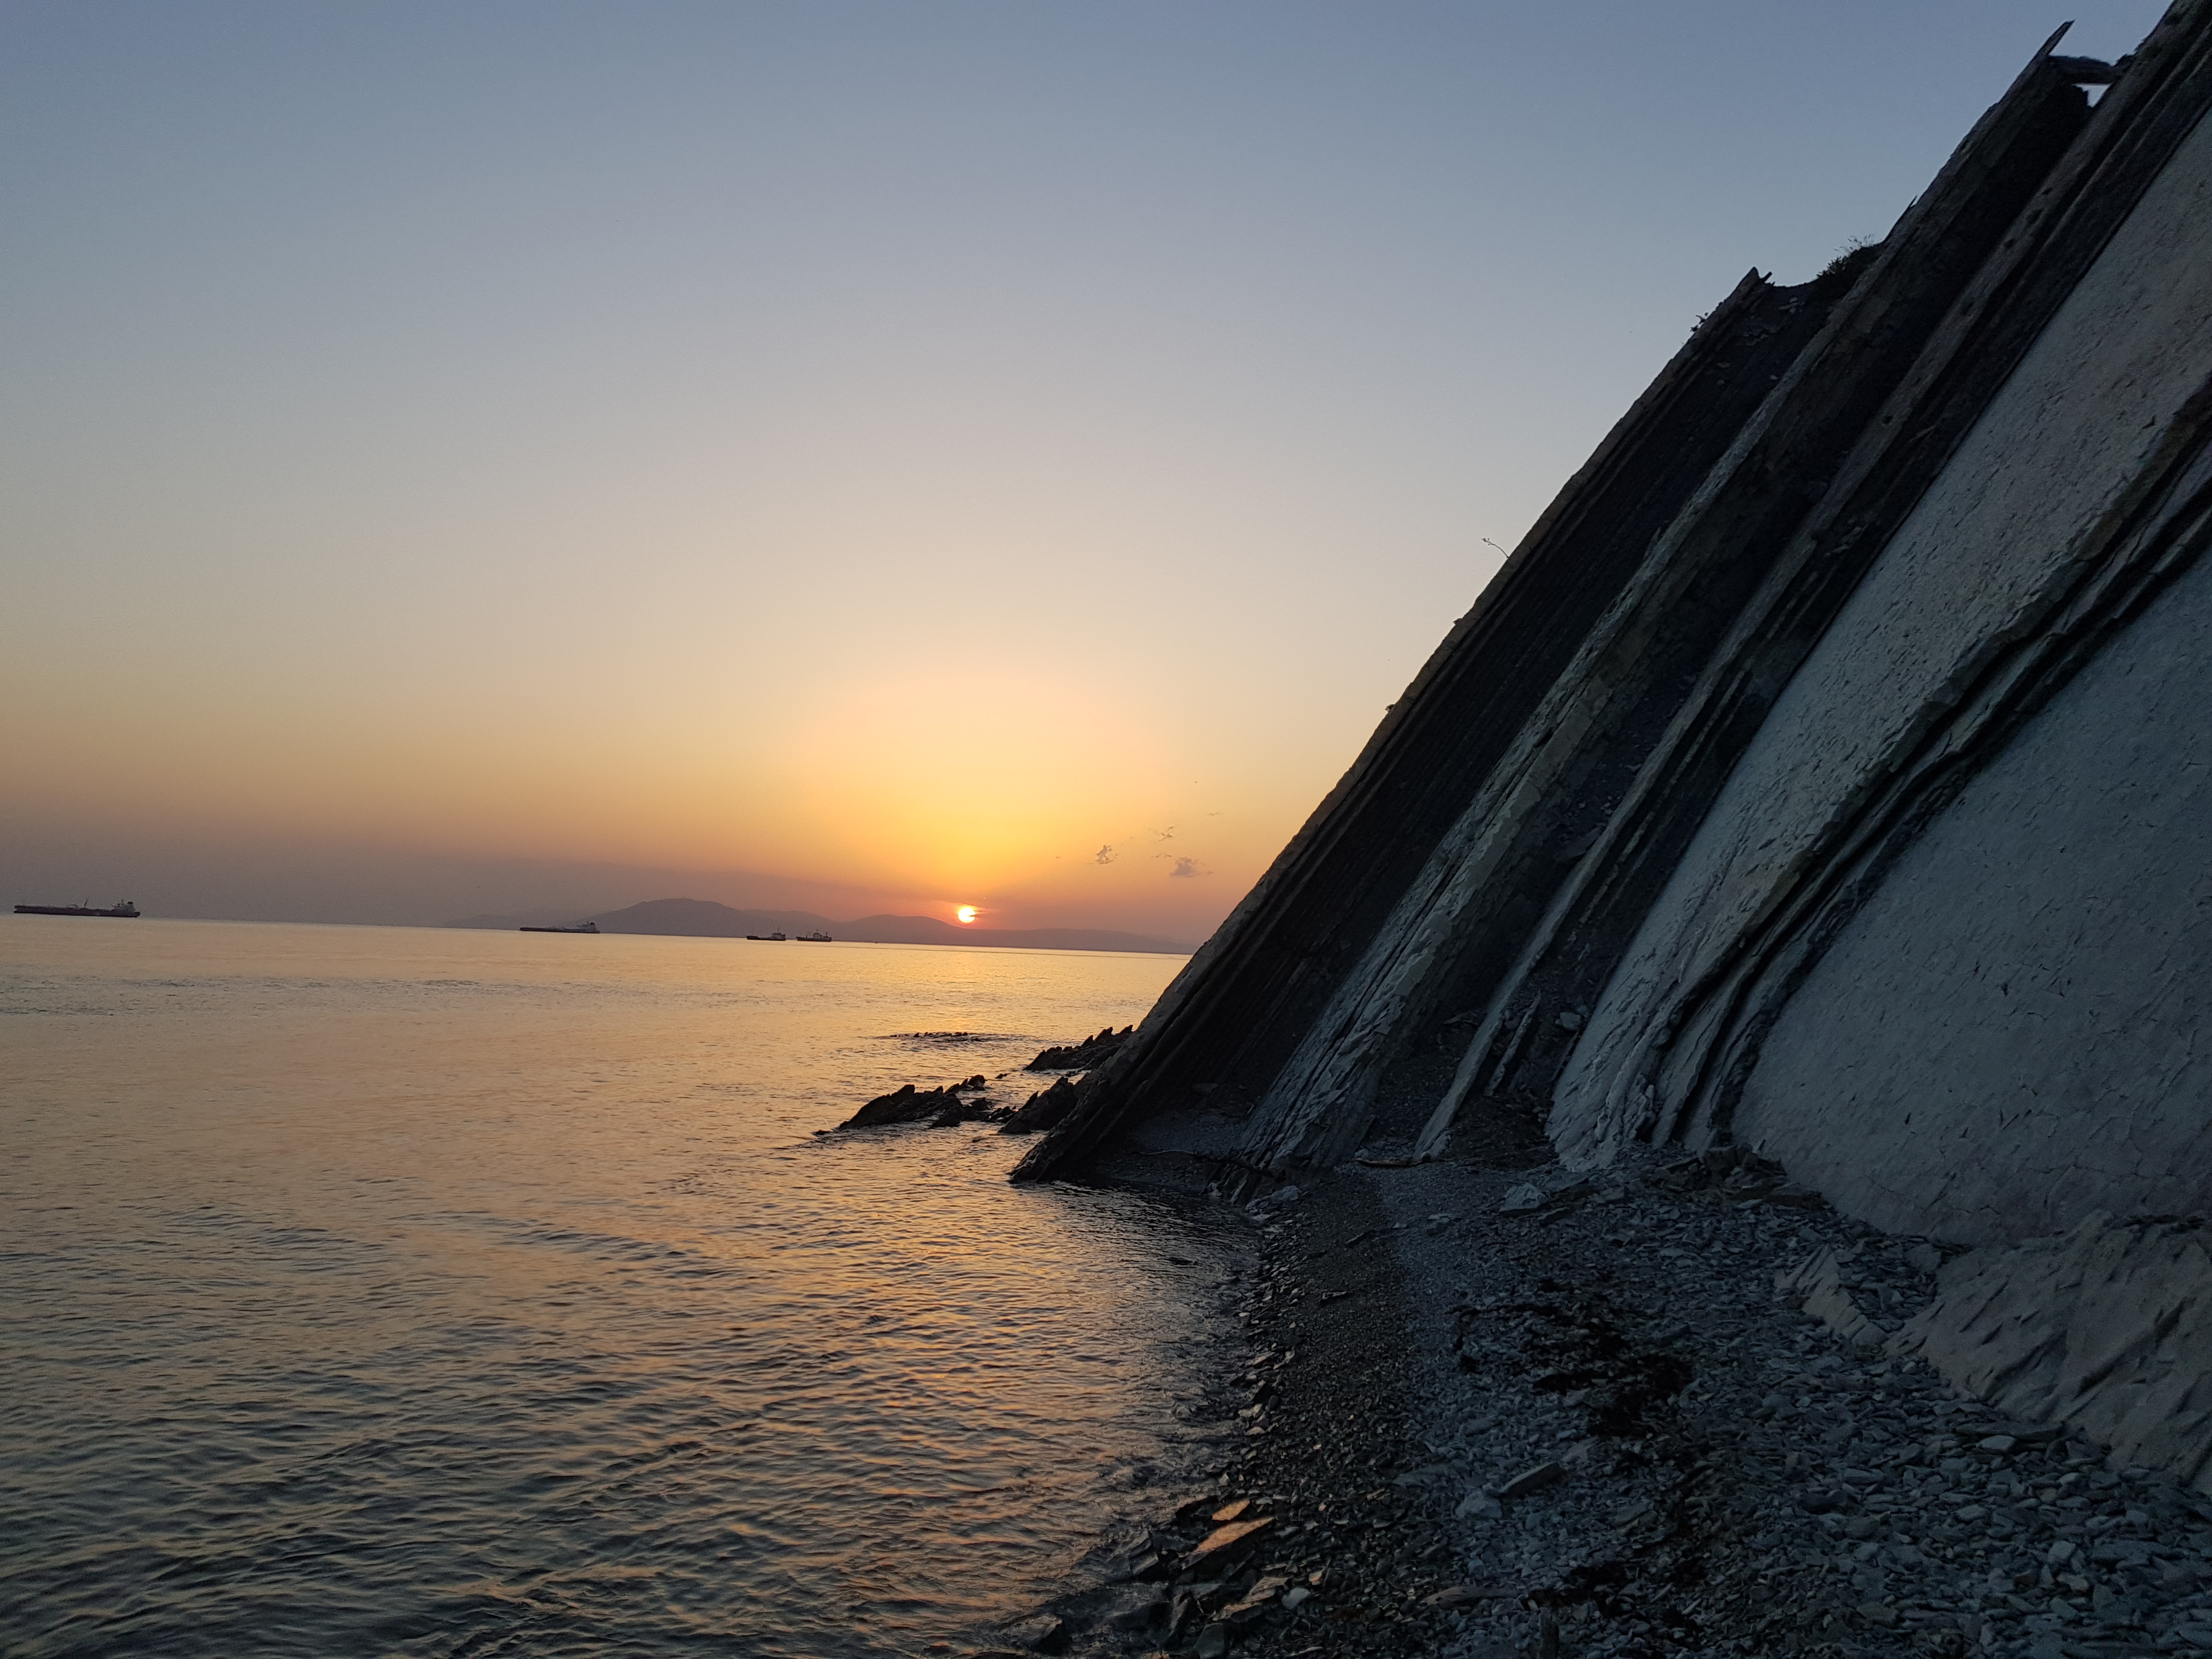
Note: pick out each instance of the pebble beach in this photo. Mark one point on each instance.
(1493, 1407)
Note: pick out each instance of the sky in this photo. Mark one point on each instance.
(850, 457)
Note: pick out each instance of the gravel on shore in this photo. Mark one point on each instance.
(1486, 1407)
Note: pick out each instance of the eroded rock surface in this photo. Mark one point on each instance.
(2106, 1330)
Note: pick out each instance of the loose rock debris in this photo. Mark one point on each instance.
(1606, 1424)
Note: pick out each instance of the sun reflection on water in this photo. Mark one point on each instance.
(385, 1291)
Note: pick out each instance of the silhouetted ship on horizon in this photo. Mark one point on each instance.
(126, 908)
(580, 927)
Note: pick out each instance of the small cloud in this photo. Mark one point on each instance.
(1185, 868)
(1105, 855)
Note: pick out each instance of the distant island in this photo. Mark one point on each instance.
(704, 919)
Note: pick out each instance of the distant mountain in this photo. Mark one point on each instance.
(704, 919)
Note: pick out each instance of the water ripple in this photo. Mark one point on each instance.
(387, 1291)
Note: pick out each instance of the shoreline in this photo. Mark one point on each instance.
(1596, 1425)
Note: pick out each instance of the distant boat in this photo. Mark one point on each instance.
(580, 927)
(816, 938)
(778, 937)
(126, 908)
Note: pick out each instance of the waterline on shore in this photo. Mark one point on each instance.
(400, 1290)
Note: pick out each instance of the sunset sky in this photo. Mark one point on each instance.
(856, 456)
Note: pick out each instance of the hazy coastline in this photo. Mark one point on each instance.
(690, 918)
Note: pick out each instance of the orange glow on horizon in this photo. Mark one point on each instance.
(1033, 784)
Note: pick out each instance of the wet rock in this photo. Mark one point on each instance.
(1141, 1566)
(1044, 1109)
(1081, 1056)
(1044, 1633)
(957, 1111)
(908, 1104)
(1143, 1617)
(904, 1105)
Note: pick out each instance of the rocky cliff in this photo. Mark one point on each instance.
(1825, 773)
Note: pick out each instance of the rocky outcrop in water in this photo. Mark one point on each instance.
(1823, 776)
(970, 1102)
(1082, 1056)
(1048, 1109)
(941, 1108)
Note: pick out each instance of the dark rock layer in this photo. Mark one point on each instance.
(1822, 778)
(1545, 881)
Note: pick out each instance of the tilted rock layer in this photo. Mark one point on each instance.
(1824, 775)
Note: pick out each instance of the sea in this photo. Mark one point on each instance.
(380, 1291)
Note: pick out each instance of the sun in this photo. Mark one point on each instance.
(967, 913)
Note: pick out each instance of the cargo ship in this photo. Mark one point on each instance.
(580, 927)
(126, 908)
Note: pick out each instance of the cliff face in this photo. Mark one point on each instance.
(1820, 772)
(1941, 934)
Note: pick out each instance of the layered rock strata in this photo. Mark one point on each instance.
(1823, 775)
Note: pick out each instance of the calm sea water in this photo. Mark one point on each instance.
(388, 1290)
